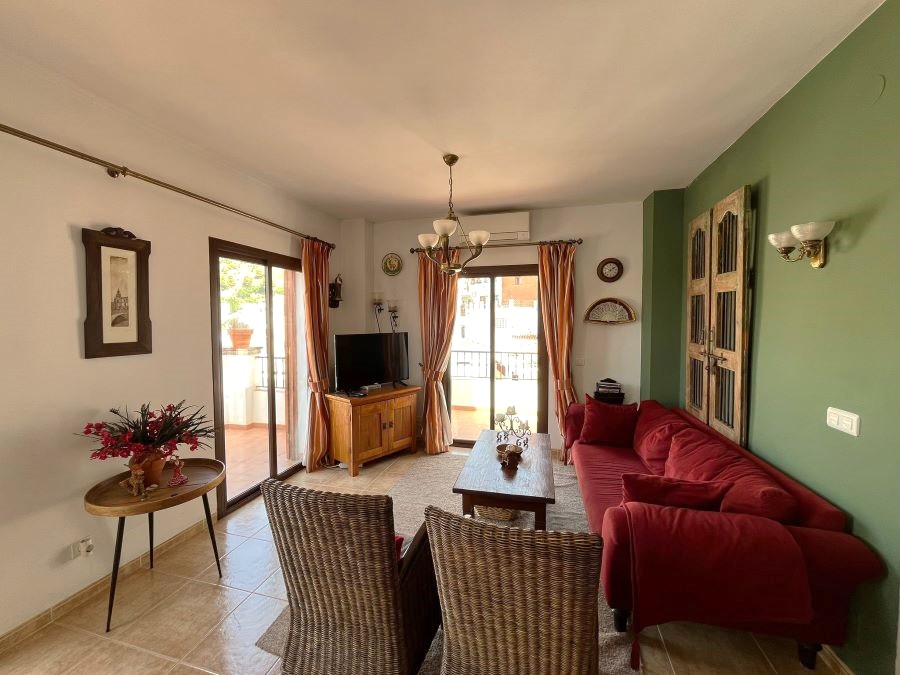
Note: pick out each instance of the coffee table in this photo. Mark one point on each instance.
(484, 482)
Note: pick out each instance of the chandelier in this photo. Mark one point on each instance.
(445, 228)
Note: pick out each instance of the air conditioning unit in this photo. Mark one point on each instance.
(504, 227)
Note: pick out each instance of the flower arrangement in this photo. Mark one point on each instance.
(150, 432)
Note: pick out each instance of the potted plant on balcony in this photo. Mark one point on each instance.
(240, 334)
(150, 437)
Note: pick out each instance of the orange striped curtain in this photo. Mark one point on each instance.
(437, 314)
(315, 284)
(556, 268)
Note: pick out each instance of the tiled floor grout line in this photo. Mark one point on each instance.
(109, 638)
(765, 656)
(666, 648)
(211, 630)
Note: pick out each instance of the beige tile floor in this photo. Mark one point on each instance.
(180, 618)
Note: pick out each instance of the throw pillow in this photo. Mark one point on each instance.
(606, 424)
(687, 494)
(695, 455)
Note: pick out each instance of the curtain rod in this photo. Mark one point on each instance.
(114, 171)
(577, 242)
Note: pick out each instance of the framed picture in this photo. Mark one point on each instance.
(391, 264)
(117, 288)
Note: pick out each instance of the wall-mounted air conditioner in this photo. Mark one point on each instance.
(502, 226)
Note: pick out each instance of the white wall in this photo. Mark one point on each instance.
(48, 390)
(610, 230)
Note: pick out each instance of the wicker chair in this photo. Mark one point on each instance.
(515, 601)
(354, 609)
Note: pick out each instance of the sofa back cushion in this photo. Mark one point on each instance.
(653, 433)
(606, 424)
(686, 494)
(695, 455)
(574, 422)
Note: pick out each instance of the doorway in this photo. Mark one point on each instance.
(259, 365)
(498, 356)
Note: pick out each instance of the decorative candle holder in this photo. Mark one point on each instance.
(509, 425)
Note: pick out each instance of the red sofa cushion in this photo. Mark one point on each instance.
(606, 424)
(574, 422)
(653, 433)
(599, 469)
(688, 494)
(695, 455)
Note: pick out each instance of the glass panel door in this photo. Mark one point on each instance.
(497, 354)
(260, 384)
(245, 358)
(516, 366)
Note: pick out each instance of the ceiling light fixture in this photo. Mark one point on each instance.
(445, 228)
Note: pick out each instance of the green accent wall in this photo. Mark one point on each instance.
(830, 150)
(661, 299)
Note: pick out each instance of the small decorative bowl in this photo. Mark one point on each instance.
(509, 455)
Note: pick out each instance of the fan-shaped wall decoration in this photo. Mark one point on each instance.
(610, 310)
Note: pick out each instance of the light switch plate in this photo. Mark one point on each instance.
(579, 360)
(842, 420)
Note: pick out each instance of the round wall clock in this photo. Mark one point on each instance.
(391, 264)
(610, 269)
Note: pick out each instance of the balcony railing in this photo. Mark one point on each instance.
(465, 364)
(262, 368)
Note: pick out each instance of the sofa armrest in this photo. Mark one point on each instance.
(836, 564)
(419, 598)
(574, 422)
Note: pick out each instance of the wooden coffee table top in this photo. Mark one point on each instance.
(531, 482)
(108, 498)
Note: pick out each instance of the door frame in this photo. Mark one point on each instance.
(219, 248)
(494, 271)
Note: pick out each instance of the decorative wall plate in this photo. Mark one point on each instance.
(610, 269)
(391, 264)
(609, 311)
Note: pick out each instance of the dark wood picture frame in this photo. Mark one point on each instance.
(114, 237)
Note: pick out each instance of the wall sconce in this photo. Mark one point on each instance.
(378, 307)
(334, 292)
(394, 311)
(809, 237)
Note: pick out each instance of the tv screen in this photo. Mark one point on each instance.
(370, 358)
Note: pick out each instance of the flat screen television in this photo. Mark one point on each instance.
(370, 358)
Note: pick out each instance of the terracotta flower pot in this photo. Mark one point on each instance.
(240, 337)
(153, 464)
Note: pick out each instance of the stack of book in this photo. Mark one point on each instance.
(608, 386)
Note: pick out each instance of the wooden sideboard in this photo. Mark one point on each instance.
(368, 427)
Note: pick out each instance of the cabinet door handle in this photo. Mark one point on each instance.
(391, 425)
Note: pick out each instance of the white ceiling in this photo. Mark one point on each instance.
(350, 104)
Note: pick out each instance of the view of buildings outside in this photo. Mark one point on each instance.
(513, 364)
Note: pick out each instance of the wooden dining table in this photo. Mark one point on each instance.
(109, 498)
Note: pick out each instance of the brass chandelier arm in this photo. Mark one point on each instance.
(576, 242)
(116, 171)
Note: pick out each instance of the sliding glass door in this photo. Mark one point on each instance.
(259, 367)
(498, 357)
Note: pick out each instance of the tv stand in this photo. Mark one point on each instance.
(379, 424)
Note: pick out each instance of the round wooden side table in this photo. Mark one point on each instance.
(108, 498)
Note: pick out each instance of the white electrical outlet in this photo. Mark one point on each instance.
(842, 420)
(82, 547)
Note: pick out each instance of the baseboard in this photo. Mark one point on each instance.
(833, 661)
(35, 623)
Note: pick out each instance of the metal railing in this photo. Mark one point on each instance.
(262, 367)
(466, 364)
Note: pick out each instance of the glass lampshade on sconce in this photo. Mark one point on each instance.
(444, 228)
(808, 239)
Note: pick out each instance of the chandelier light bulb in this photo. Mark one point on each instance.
(445, 226)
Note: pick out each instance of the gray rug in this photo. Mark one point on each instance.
(429, 481)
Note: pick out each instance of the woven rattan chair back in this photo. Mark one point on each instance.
(340, 569)
(515, 601)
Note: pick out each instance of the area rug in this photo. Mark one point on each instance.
(429, 481)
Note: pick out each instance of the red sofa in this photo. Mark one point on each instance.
(835, 562)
